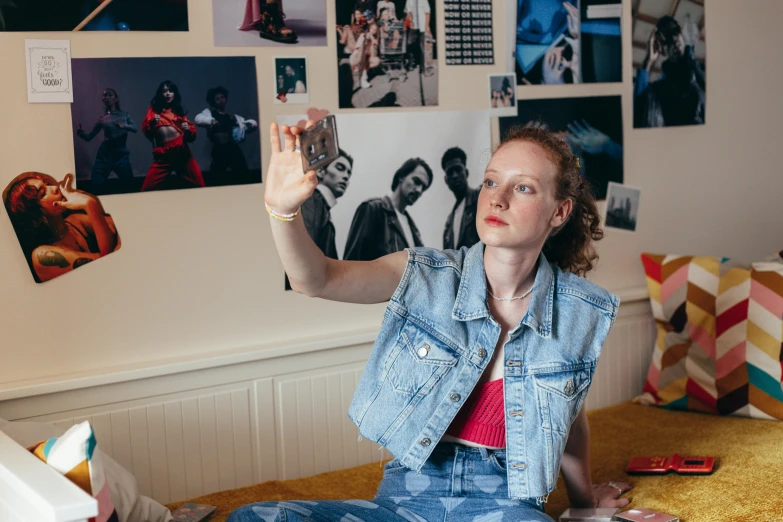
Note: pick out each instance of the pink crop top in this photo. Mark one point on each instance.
(481, 419)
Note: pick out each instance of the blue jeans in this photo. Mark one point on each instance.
(457, 483)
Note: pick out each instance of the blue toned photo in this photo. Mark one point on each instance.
(568, 41)
(592, 127)
(669, 56)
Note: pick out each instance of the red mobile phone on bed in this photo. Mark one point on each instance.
(676, 463)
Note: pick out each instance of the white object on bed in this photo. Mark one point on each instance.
(17, 436)
(31, 491)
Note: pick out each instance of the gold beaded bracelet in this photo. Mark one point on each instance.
(282, 217)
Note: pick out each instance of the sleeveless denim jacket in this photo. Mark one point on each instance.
(437, 338)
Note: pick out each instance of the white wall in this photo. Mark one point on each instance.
(198, 273)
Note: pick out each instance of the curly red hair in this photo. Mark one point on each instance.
(571, 245)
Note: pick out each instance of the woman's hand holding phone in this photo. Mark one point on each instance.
(286, 187)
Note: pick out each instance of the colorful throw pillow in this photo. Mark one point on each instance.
(73, 454)
(719, 347)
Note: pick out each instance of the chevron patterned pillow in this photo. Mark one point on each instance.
(719, 347)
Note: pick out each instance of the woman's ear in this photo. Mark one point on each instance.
(562, 213)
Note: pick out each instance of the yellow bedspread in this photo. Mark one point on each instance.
(747, 485)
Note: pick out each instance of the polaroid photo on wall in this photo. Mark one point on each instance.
(622, 207)
(502, 94)
(291, 80)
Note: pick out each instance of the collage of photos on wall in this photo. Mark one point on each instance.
(387, 53)
(143, 124)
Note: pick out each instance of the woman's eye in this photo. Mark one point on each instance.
(489, 183)
(523, 188)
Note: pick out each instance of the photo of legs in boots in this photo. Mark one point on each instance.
(267, 17)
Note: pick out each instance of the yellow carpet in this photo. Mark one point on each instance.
(747, 485)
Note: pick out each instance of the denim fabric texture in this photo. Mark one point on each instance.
(436, 340)
(457, 483)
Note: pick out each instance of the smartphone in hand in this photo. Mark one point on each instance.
(319, 145)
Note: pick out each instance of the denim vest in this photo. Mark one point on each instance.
(438, 337)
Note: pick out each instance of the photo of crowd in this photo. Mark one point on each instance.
(134, 132)
(386, 53)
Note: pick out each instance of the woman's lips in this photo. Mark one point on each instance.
(495, 221)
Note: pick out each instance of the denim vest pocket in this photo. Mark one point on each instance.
(560, 396)
(420, 361)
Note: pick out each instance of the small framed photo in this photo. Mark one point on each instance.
(291, 80)
(502, 95)
(622, 206)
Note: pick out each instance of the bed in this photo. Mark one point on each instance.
(746, 485)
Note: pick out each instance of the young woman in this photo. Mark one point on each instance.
(478, 377)
(113, 154)
(60, 229)
(169, 130)
(292, 81)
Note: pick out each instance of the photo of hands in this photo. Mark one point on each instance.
(567, 41)
(592, 127)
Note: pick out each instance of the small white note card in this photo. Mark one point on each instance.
(48, 71)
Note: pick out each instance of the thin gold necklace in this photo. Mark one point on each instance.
(511, 298)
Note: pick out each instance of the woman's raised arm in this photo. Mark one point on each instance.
(309, 271)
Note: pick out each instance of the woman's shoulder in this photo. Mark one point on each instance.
(571, 284)
(435, 257)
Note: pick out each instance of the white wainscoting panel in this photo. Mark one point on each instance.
(198, 432)
(625, 358)
(189, 446)
(315, 434)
